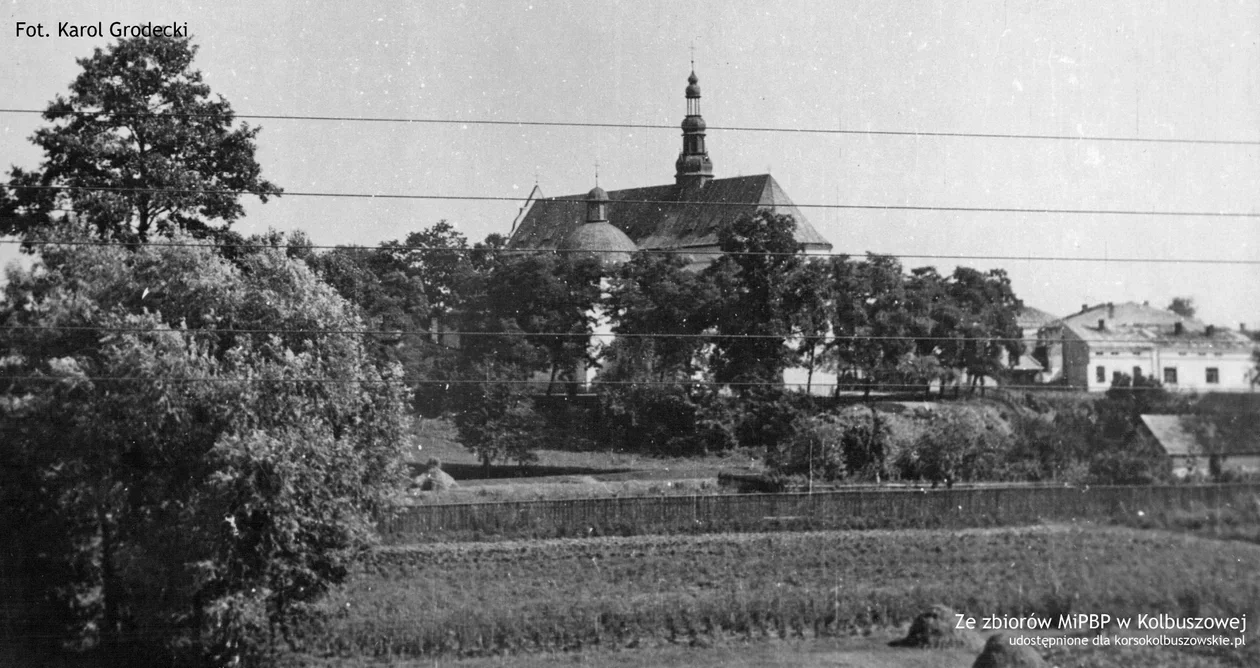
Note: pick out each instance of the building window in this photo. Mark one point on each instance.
(1213, 375)
(1100, 374)
(1170, 375)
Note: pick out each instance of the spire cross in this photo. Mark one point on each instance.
(693, 55)
(596, 172)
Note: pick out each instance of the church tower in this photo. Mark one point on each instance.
(693, 166)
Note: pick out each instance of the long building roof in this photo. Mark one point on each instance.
(667, 216)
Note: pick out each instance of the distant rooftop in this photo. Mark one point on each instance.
(1132, 325)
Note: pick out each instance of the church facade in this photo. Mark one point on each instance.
(682, 216)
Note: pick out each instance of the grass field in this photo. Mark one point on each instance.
(437, 438)
(563, 474)
(655, 593)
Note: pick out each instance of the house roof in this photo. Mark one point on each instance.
(667, 216)
(1145, 337)
(1171, 434)
(1141, 326)
(1176, 434)
(1028, 363)
(1029, 318)
(1130, 313)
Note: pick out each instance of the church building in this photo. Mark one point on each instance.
(682, 216)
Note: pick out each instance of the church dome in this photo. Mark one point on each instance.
(693, 124)
(601, 239)
(597, 194)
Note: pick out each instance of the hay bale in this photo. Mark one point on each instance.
(435, 479)
(1000, 653)
(934, 629)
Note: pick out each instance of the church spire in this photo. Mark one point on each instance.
(693, 165)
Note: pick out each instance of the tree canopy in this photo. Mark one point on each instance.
(752, 313)
(185, 457)
(139, 146)
(1183, 306)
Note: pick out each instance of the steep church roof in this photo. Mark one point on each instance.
(667, 216)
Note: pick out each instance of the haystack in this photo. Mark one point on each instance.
(1000, 653)
(935, 629)
(434, 479)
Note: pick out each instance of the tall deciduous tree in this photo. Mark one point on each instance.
(540, 300)
(139, 146)
(665, 308)
(810, 303)
(437, 260)
(183, 460)
(753, 318)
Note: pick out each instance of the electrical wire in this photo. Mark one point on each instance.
(646, 251)
(660, 126)
(856, 385)
(500, 198)
(399, 333)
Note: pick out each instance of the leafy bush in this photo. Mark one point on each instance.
(827, 447)
(958, 444)
(664, 419)
(766, 417)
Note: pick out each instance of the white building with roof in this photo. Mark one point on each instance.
(1089, 350)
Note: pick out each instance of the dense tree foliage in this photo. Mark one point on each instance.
(184, 459)
(752, 314)
(497, 422)
(139, 146)
(664, 309)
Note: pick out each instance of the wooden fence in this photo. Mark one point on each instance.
(850, 509)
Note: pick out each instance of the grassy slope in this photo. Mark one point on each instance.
(461, 599)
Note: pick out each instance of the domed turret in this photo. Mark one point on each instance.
(596, 205)
(598, 236)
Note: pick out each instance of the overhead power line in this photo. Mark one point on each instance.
(662, 126)
(397, 333)
(854, 386)
(500, 198)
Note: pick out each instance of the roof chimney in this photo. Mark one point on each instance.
(1102, 325)
(1210, 331)
(1111, 310)
(1084, 308)
(1242, 327)
(1178, 329)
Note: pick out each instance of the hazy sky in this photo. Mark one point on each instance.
(1188, 69)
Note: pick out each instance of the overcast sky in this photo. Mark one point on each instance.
(1184, 70)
